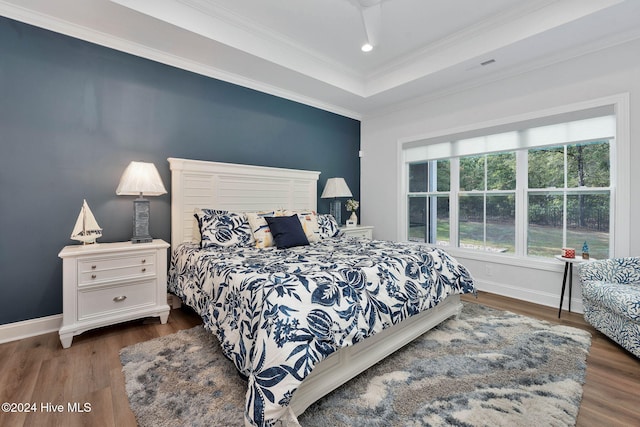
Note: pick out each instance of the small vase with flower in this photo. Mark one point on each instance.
(352, 205)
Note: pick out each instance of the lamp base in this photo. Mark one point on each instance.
(147, 239)
(141, 213)
(335, 209)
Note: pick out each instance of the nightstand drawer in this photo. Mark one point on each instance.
(364, 231)
(359, 233)
(101, 301)
(113, 268)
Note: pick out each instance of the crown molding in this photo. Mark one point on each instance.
(223, 26)
(223, 14)
(469, 33)
(107, 40)
(499, 31)
(559, 57)
(351, 97)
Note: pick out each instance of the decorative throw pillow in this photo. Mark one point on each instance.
(309, 221)
(260, 228)
(328, 226)
(222, 228)
(287, 231)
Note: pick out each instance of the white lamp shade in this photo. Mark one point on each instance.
(336, 187)
(140, 178)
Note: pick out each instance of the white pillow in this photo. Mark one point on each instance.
(260, 229)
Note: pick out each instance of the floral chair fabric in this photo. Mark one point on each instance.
(611, 299)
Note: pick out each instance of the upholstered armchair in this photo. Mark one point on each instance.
(611, 299)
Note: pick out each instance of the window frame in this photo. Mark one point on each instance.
(521, 157)
(432, 166)
(565, 191)
(619, 181)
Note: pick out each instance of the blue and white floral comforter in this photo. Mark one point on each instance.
(278, 313)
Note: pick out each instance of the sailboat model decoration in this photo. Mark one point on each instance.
(86, 229)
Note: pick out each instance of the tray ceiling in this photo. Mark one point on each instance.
(309, 50)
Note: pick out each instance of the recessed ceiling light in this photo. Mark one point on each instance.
(366, 47)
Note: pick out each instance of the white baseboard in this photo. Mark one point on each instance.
(30, 328)
(43, 325)
(531, 295)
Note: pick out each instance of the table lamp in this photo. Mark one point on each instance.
(141, 179)
(334, 188)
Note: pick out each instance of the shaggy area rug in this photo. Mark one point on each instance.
(485, 368)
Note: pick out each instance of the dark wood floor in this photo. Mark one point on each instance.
(611, 393)
(38, 371)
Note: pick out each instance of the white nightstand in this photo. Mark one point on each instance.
(107, 283)
(359, 231)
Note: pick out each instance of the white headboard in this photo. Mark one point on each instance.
(246, 188)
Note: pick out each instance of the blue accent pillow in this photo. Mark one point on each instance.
(287, 231)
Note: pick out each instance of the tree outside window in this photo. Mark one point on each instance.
(487, 202)
(428, 201)
(569, 199)
(566, 190)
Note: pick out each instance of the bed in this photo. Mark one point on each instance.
(300, 321)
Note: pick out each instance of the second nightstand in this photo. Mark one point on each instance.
(107, 283)
(365, 231)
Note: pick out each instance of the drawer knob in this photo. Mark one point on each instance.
(93, 276)
(144, 269)
(93, 267)
(120, 298)
(144, 260)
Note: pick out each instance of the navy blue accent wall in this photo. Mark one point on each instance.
(74, 114)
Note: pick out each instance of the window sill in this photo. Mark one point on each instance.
(546, 264)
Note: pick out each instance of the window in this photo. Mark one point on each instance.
(486, 202)
(569, 198)
(429, 184)
(524, 191)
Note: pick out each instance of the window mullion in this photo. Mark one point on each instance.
(564, 200)
(453, 202)
(484, 206)
(522, 183)
(431, 228)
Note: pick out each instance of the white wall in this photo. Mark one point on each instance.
(601, 74)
